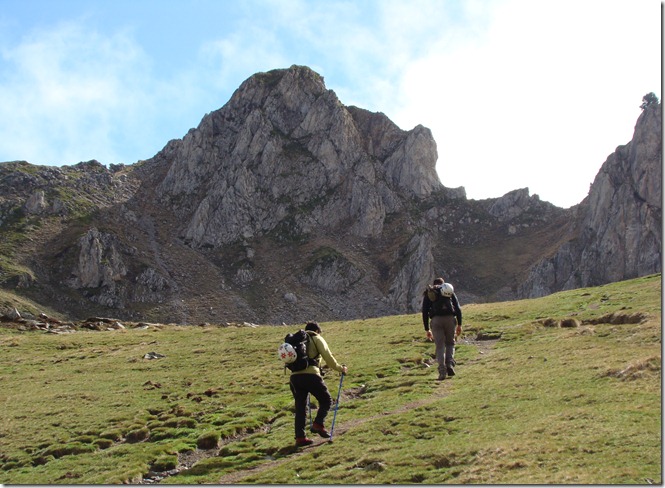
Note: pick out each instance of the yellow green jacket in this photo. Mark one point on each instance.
(318, 347)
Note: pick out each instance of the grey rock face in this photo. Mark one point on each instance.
(150, 287)
(412, 278)
(512, 204)
(99, 262)
(285, 206)
(284, 152)
(36, 203)
(618, 227)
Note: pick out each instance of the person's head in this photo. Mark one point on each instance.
(438, 281)
(313, 326)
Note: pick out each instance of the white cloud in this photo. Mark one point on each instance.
(64, 90)
(539, 100)
(72, 94)
(237, 56)
(517, 93)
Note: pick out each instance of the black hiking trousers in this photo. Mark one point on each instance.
(301, 385)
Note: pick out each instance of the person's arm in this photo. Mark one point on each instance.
(458, 314)
(327, 356)
(425, 311)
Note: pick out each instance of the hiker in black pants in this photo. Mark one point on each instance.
(309, 380)
(442, 313)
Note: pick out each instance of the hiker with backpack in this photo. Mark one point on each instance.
(309, 380)
(442, 318)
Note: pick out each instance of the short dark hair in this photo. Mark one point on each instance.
(313, 326)
(438, 281)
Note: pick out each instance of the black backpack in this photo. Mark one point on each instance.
(441, 305)
(299, 342)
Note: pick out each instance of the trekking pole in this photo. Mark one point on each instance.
(332, 427)
(309, 408)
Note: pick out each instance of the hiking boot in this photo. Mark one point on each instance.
(450, 370)
(442, 376)
(320, 429)
(303, 441)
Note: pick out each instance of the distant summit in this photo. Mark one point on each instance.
(285, 153)
(285, 205)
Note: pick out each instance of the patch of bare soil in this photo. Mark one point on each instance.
(187, 460)
(484, 346)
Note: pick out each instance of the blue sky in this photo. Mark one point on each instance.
(517, 93)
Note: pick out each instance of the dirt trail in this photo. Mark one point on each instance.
(189, 460)
(236, 476)
(442, 391)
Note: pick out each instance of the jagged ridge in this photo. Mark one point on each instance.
(285, 205)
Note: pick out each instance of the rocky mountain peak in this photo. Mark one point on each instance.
(287, 94)
(285, 143)
(285, 205)
(618, 227)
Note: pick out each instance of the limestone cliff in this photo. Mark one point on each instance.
(284, 205)
(618, 227)
(285, 151)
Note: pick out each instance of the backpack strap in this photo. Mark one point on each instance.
(313, 361)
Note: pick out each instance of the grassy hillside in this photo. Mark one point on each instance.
(563, 389)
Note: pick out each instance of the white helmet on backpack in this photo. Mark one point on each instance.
(287, 353)
(447, 290)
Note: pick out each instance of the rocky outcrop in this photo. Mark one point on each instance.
(417, 271)
(284, 155)
(285, 206)
(515, 203)
(99, 266)
(331, 271)
(99, 262)
(618, 226)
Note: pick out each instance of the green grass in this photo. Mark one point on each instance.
(10, 300)
(544, 404)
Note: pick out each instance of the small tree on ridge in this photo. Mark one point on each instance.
(648, 100)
